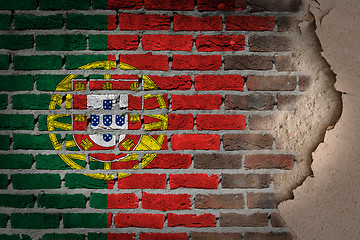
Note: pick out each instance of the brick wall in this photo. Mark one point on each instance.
(144, 119)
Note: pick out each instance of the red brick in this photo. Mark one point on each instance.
(120, 201)
(79, 125)
(262, 200)
(196, 62)
(112, 22)
(146, 61)
(196, 102)
(144, 220)
(271, 83)
(79, 101)
(259, 102)
(212, 5)
(217, 161)
(176, 122)
(112, 58)
(274, 5)
(277, 221)
(250, 23)
(195, 142)
(220, 122)
(215, 236)
(269, 161)
(190, 23)
(129, 21)
(196, 180)
(191, 220)
(170, 83)
(219, 82)
(245, 180)
(248, 62)
(247, 141)
(124, 4)
(170, 161)
(123, 42)
(166, 202)
(134, 103)
(270, 43)
(163, 236)
(243, 220)
(219, 201)
(134, 124)
(152, 102)
(142, 181)
(268, 236)
(174, 5)
(167, 42)
(213, 43)
(109, 218)
(181, 122)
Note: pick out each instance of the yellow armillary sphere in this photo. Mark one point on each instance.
(143, 142)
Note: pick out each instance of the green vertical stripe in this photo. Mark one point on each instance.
(98, 200)
(16, 161)
(73, 181)
(54, 162)
(100, 4)
(35, 221)
(98, 42)
(4, 62)
(89, 22)
(64, 236)
(50, 82)
(37, 142)
(75, 61)
(16, 82)
(5, 21)
(4, 143)
(96, 165)
(85, 220)
(4, 181)
(47, 62)
(3, 220)
(17, 201)
(61, 201)
(43, 125)
(71, 138)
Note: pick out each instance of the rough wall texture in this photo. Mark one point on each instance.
(326, 205)
(157, 119)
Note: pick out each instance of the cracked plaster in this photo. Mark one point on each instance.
(325, 205)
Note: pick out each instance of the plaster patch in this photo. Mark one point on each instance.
(326, 205)
(317, 110)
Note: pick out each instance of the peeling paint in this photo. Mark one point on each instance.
(303, 129)
(325, 205)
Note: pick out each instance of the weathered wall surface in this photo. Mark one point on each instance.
(220, 104)
(326, 205)
(145, 119)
